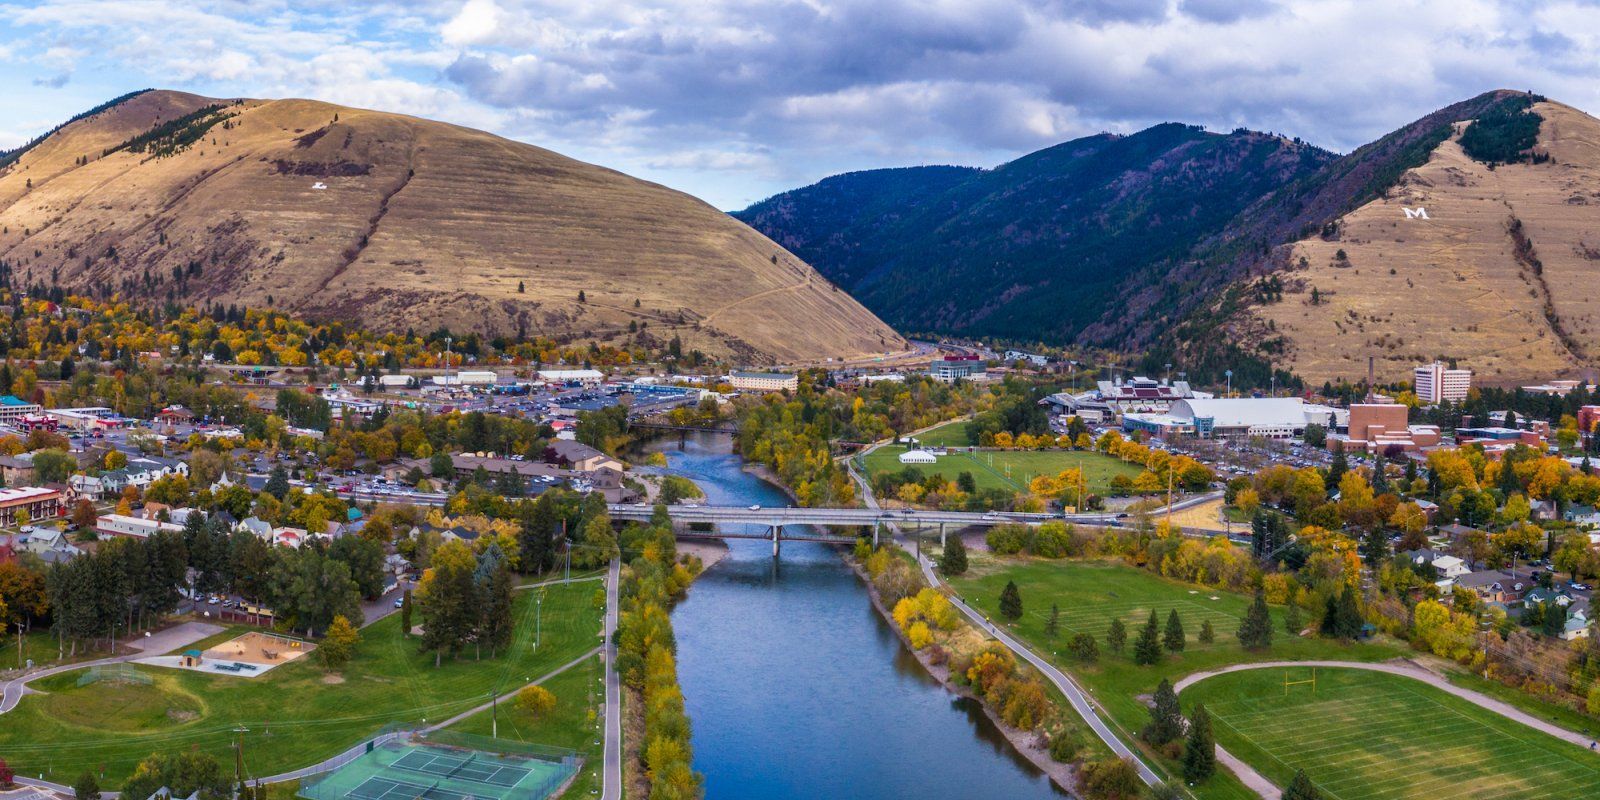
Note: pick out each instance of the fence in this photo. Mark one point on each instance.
(115, 673)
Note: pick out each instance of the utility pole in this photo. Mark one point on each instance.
(19, 644)
(1169, 497)
(238, 755)
(494, 715)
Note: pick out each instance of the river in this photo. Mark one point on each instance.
(797, 688)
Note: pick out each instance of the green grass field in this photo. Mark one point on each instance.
(950, 434)
(296, 715)
(1009, 469)
(574, 723)
(1091, 594)
(1371, 736)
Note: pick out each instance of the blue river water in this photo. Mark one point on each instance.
(797, 688)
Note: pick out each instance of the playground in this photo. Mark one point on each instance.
(249, 655)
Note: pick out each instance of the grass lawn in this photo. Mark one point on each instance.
(1091, 594)
(296, 715)
(1371, 736)
(950, 434)
(574, 723)
(37, 644)
(1009, 469)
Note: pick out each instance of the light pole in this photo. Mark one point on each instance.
(1229, 374)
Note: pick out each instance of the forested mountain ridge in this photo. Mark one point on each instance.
(1037, 248)
(397, 222)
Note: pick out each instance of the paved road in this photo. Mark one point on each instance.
(1267, 790)
(611, 782)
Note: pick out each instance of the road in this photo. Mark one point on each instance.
(756, 515)
(611, 780)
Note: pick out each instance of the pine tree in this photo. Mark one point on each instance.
(1011, 602)
(86, 787)
(1411, 473)
(1173, 639)
(277, 482)
(1380, 477)
(1166, 718)
(953, 561)
(1147, 650)
(1052, 626)
(1207, 634)
(1337, 469)
(1117, 636)
(1301, 788)
(1255, 632)
(1200, 749)
(405, 614)
(1375, 548)
(1291, 620)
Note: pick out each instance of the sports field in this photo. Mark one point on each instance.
(1009, 469)
(950, 434)
(1372, 736)
(1091, 593)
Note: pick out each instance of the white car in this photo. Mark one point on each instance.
(755, 508)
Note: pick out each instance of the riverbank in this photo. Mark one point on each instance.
(710, 552)
(1032, 745)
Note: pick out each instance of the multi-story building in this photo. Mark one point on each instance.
(952, 368)
(1436, 383)
(13, 409)
(136, 527)
(40, 503)
(1109, 400)
(764, 381)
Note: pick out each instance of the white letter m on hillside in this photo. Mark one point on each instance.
(1415, 213)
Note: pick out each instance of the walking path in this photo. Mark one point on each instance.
(611, 783)
(1079, 700)
(1258, 783)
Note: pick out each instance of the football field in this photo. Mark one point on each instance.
(1372, 736)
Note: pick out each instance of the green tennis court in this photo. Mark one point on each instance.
(419, 770)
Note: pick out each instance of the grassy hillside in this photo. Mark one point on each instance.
(399, 222)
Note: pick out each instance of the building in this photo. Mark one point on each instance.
(1378, 427)
(141, 471)
(37, 501)
(764, 381)
(1536, 436)
(1013, 356)
(397, 381)
(13, 409)
(1560, 388)
(918, 457)
(175, 415)
(136, 527)
(1436, 383)
(1109, 400)
(84, 420)
(579, 457)
(1235, 418)
(952, 368)
(582, 377)
(467, 378)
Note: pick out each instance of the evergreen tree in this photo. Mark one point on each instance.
(953, 561)
(1173, 638)
(1166, 718)
(1411, 473)
(1199, 749)
(405, 614)
(1255, 632)
(1301, 788)
(496, 627)
(1341, 618)
(1147, 649)
(1380, 477)
(1207, 633)
(1375, 548)
(1117, 636)
(1052, 625)
(1337, 469)
(1555, 618)
(1011, 602)
(86, 787)
(1291, 620)
(277, 482)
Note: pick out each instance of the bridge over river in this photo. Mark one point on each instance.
(776, 519)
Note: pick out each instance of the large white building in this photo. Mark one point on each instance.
(1237, 418)
(1436, 383)
(585, 377)
(1111, 399)
(764, 381)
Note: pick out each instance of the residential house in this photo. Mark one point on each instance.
(1494, 586)
(17, 470)
(579, 457)
(1446, 566)
(140, 472)
(49, 544)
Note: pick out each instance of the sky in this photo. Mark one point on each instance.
(735, 100)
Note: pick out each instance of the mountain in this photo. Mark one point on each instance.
(397, 222)
(1041, 248)
(1484, 249)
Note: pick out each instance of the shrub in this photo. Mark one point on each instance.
(1064, 746)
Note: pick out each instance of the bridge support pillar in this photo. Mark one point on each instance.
(877, 526)
(777, 537)
(941, 535)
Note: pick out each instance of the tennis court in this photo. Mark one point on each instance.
(421, 770)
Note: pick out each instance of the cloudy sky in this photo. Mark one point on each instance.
(734, 100)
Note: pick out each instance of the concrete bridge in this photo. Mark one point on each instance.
(776, 519)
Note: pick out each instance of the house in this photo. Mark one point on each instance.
(1456, 532)
(140, 472)
(17, 470)
(1544, 510)
(461, 533)
(175, 415)
(1493, 586)
(261, 529)
(136, 527)
(579, 457)
(1448, 567)
(49, 544)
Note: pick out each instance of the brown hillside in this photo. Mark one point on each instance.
(1501, 276)
(399, 222)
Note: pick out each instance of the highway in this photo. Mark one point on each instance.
(758, 515)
